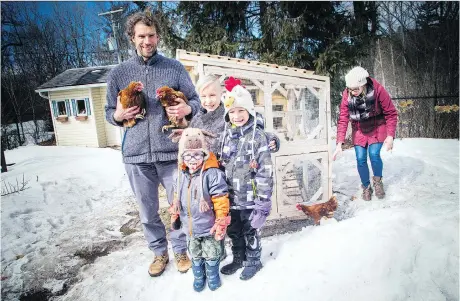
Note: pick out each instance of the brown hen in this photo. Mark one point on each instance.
(319, 210)
(132, 96)
(167, 96)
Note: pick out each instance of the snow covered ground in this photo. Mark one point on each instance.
(404, 247)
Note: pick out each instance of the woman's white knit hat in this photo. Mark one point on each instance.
(237, 97)
(356, 77)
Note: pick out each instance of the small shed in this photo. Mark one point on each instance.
(77, 98)
(296, 106)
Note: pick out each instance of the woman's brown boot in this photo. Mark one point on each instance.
(378, 186)
(367, 192)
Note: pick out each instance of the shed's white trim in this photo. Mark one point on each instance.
(72, 87)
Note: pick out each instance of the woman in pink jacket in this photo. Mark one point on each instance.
(368, 106)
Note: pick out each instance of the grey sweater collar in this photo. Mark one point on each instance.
(151, 61)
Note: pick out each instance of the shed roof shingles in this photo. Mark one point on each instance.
(78, 77)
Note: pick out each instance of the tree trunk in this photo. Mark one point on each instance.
(4, 169)
(19, 132)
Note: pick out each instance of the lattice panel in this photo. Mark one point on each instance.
(300, 179)
(300, 117)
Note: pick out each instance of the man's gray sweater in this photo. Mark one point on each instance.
(145, 142)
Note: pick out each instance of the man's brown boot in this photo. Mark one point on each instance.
(183, 263)
(158, 266)
(367, 192)
(378, 186)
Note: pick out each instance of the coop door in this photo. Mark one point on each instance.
(302, 116)
(300, 179)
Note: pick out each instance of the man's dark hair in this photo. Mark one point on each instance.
(145, 17)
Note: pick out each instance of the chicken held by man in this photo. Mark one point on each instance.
(132, 96)
(167, 97)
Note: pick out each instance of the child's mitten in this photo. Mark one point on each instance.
(257, 219)
(174, 210)
(220, 227)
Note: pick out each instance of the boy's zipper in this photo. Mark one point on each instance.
(189, 207)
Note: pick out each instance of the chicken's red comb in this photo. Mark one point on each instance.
(298, 207)
(231, 83)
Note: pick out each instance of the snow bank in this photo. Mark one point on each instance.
(404, 247)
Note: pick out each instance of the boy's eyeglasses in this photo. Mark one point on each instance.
(197, 156)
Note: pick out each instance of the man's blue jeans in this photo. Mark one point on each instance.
(376, 162)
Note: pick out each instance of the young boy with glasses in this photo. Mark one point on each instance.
(203, 205)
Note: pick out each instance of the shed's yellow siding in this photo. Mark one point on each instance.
(74, 132)
(98, 96)
(112, 133)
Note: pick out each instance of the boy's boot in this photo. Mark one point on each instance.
(367, 192)
(157, 267)
(183, 263)
(250, 269)
(199, 273)
(378, 186)
(232, 267)
(212, 274)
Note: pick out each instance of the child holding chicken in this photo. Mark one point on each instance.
(245, 155)
(203, 204)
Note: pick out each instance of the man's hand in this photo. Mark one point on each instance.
(338, 151)
(181, 110)
(122, 114)
(388, 143)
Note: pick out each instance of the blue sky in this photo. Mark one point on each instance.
(46, 6)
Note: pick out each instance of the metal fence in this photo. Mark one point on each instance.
(429, 117)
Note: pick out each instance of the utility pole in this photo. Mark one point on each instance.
(114, 30)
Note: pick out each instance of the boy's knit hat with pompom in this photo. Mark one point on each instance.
(192, 139)
(237, 97)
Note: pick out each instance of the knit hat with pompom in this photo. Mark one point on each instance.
(237, 97)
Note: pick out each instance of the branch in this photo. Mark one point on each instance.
(11, 44)
(10, 188)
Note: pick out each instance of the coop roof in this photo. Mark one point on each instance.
(183, 54)
(78, 77)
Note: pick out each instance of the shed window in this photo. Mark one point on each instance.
(62, 108)
(81, 107)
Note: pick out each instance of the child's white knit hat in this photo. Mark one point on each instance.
(356, 77)
(237, 97)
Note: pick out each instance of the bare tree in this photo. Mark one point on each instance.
(415, 62)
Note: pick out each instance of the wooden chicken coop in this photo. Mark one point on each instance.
(296, 106)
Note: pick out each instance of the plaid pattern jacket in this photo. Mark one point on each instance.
(245, 155)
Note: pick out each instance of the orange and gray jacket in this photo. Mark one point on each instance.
(209, 185)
